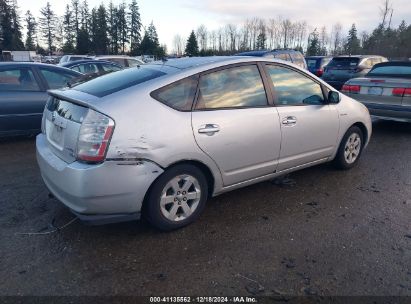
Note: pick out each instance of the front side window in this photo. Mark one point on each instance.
(234, 87)
(56, 80)
(293, 88)
(178, 95)
(18, 79)
(87, 68)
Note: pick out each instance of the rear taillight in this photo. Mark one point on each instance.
(353, 89)
(401, 92)
(94, 137)
(319, 72)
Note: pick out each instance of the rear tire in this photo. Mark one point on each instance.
(176, 198)
(350, 149)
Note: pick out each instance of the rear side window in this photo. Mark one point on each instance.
(110, 67)
(293, 88)
(18, 79)
(56, 80)
(86, 68)
(232, 88)
(133, 63)
(114, 82)
(178, 95)
(343, 62)
(283, 56)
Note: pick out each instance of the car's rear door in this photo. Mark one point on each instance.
(309, 126)
(22, 100)
(235, 125)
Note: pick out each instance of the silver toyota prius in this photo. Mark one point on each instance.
(160, 139)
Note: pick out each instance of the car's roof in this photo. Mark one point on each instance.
(114, 56)
(191, 62)
(399, 63)
(356, 56)
(37, 64)
(318, 57)
(73, 63)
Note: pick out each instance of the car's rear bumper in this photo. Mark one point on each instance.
(396, 112)
(112, 189)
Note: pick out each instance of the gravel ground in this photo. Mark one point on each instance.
(319, 232)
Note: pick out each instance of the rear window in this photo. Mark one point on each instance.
(395, 70)
(312, 63)
(114, 82)
(66, 109)
(345, 62)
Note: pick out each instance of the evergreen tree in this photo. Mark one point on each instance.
(122, 26)
(314, 47)
(17, 43)
(353, 43)
(31, 31)
(99, 30)
(76, 15)
(135, 27)
(192, 45)
(5, 26)
(112, 28)
(261, 40)
(83, 36)
(48, 26)
(68, 30)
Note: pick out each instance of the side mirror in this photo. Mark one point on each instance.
(333, 97)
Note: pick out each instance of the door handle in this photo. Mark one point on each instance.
(289, 121)
(209, 129)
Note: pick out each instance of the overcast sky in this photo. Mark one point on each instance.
(181, 16)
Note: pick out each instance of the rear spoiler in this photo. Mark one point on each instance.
(62, 94)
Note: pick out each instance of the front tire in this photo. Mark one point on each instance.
(177, 197)
(350, 149)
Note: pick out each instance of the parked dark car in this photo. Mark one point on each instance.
(98, 67)
(23, 94)
(289, 55)
(316, 64)
(342, 68)
(385, 90)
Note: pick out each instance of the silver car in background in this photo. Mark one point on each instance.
(162, 138)
(385, 90)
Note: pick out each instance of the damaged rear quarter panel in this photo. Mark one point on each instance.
(147, 129)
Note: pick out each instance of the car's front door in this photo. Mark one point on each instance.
(22, 100)
(233, 123)
(309, 126)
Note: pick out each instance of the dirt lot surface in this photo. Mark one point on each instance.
(320, 231)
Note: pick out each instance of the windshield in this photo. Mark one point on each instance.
(343, 62)
(118, 81)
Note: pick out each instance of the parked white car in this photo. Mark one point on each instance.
(159, 140)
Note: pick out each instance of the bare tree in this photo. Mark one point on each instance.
(337, 39)
(178, 45)
(202, 37)
(385, 11)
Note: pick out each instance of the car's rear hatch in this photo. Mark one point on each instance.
(379, 90)
(62, 119)
(341, 68)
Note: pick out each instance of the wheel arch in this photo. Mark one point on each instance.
(363, 129)
(204, 168)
